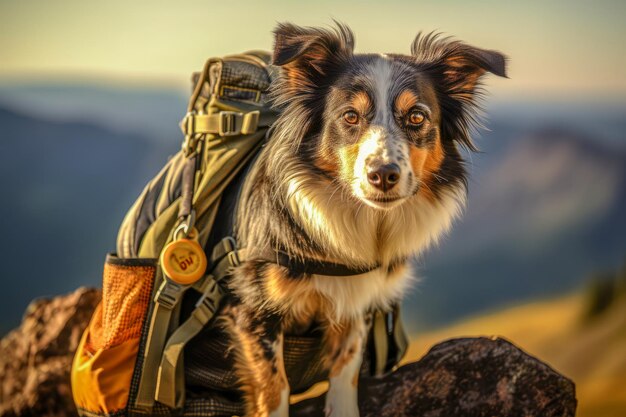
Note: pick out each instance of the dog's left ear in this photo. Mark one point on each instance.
(309, 55)
(460, 66)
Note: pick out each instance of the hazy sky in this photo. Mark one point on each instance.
(563, 48)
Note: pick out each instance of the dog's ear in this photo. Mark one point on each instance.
(460, 65)
(456, 68)
(306, 54)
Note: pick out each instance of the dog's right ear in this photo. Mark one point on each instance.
(308, 54)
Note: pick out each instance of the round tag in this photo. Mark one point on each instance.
(183, 261)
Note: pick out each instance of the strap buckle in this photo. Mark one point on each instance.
(233, 259)
(169, 293)
(188, 127)
(229, 123)
(207, 304)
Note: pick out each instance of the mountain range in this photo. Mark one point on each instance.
(544, 214)
(546, 202)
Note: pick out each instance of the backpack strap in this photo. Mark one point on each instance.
(170, 387)
(167, 298)
(389, 340)
(170, 384)
(225, 123)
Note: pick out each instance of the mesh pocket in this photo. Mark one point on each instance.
(126, 293)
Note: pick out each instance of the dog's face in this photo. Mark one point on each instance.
(381, 130)
(384, 127)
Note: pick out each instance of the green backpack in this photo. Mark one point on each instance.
(150, 348)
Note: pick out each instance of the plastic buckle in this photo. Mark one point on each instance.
(188, 124)
(250, 122)
(188, 127)
(229, 244)
(212, 290)
(229, 123)
(207, 304)
(169, 294)
(233, 259)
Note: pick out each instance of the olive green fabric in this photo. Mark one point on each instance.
(218, 92)
(226, 123)
(169, 390)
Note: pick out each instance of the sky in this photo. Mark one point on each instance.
(555, 48)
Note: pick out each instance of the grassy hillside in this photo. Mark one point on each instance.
(589, 349)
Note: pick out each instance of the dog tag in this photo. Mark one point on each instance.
(184, 260)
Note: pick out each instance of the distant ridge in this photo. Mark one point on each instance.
(544, 212)
(65, 187)
(152, 113)
(77, 157)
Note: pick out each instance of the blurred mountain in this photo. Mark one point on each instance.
(151, 113)
(545, 204)
(543, 212)
(66, 187)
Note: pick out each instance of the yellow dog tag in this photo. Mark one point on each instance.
(184, 260)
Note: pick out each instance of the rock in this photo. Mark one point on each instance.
(35, 359)
(460, 377)
(470, 377)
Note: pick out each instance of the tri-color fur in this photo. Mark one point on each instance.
(362, 169)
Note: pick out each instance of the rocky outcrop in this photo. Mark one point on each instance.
(35, 359)
(471, 377)
(460, 377)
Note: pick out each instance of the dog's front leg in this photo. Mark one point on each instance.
(344, 355)
(260, 366)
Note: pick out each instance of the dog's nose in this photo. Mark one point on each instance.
(384, 177)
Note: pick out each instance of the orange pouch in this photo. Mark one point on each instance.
(105, 360)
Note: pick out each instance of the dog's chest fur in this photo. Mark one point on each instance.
(354, 235)
(357, 235)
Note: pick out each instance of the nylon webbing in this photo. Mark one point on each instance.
(187, 186)
(225, 123)
(167, 297)
(381, 342)
(400, 338)
(170, 386)
(167, 390)
(313, 266)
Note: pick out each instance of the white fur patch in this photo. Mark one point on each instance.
(381, 74)
(379, 148)
(283, 408)
(342, 396)
(358, 235)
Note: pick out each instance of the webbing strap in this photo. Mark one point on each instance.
(399, 335)
(381, 344)
(223, 123)
(170, 383)
(313, 266)
(170, 387)
(187, 187)
(167, 297)
(390, 344)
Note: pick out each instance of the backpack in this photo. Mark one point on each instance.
(150, 347)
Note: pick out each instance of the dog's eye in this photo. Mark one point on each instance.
(351, 117)
(416, 118)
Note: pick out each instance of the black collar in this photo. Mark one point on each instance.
(299, 266)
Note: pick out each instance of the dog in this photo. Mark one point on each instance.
(363, 169)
